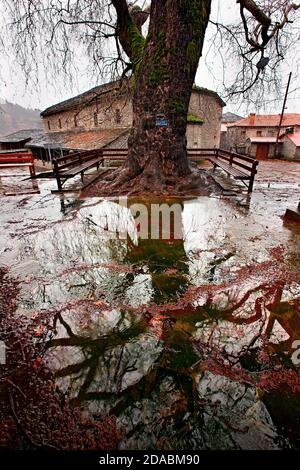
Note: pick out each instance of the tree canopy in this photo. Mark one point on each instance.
(47, 33)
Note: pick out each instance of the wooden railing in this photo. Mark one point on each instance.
(240, 167)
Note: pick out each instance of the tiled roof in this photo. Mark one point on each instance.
(121, 142)
(268, 120)
(262, 140)
(206, 91)
(87, 96)
(90, 140)
(295, 138)
(79, 140)
(21, 136)
(91, 94)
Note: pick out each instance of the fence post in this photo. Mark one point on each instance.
(56, 172)
(253, 173)
(98, 155)
(32, 169)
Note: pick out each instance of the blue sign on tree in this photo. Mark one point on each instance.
(161, 120)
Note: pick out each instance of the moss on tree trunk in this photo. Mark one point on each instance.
(164, 69)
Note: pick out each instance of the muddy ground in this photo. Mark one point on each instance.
(116, 341)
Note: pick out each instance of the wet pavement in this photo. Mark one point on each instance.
(189, 343)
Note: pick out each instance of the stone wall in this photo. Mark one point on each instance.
(251, 150)
(104, 113)
(194, 135)
(109, 112)
(209, 108)
(236, 136)
(289, 150)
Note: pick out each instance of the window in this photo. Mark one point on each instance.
(95, 119)
(270, 133)
(290, 130)
(243, 134)
(118, 116)
(75, 120)
(49, 126)
(259, 133)
(59, 123)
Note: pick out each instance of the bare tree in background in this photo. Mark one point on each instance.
(162, 64)
(256, 50)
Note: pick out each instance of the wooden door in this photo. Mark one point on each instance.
(262, 151)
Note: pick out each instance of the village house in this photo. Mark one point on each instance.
(102, 117)
(256, 136)
(227, 119)
(291, 144)
(19, 139)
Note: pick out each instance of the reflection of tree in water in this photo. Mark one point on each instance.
(182, 374)
(114, 367)
(195, 390)
(167, 264)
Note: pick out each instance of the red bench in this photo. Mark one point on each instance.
(15, 160)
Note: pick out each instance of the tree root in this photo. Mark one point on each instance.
(122, 182)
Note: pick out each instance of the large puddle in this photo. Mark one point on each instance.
(189, 342)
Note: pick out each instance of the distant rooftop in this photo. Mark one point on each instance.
(295, 138)
(268, 120)
(262, 140)
(231, 117)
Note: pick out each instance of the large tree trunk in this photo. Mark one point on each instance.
(165, 65)
(164, 80)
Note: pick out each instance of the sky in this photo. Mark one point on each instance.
(13, 84)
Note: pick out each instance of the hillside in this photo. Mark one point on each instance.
(14, 118)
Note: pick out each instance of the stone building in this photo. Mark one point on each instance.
(256, 135)
(291, 145)
(108, 107)
(227, 119)
(206, 106)
(18, 140)
(102, 117)
(103, 107)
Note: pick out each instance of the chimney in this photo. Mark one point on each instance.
(251, 119)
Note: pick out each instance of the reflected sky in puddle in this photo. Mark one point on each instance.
(142, 328)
